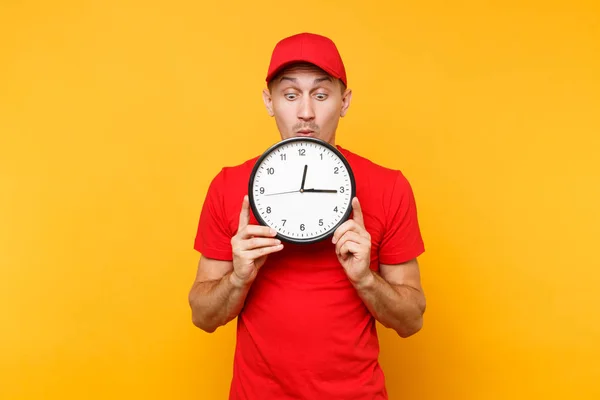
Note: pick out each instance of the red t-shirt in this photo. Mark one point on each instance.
(304, 332)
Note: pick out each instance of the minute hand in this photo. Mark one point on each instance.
(320, 190)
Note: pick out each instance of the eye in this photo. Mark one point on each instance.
(290, 96)
(321, 96)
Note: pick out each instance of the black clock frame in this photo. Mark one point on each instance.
(274, 147)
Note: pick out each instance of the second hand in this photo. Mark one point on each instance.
(273, 194)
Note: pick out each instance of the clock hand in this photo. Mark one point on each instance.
(291, 191)
(320, 190)
(303, 178)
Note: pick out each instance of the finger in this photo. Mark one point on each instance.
(349, 247)
(257, 230)
(257, 253)
(351, 236)
(257, 242)
(348, 235)
(341, 230)
(244, 214)
(357, 213)
(349, 225)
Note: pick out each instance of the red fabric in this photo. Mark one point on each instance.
(304, 332)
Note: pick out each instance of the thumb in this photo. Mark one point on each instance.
(244, 214)
(357, 212)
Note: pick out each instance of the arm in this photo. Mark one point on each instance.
(395, 296)
(217, 296)
(220, 288)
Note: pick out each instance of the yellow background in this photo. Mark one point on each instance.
(115, 115)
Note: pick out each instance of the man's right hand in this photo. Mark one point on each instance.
(251, 245)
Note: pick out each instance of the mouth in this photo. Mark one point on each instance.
(305, 132)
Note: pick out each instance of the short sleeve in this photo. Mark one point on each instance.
(213, 238)
(402, 240)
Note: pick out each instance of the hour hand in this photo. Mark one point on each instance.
(320, 190)
(303, 178)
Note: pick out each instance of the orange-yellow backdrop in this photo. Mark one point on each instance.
(115, 115)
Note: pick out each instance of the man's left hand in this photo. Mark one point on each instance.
(353, 246)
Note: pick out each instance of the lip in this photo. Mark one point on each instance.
(305, 132)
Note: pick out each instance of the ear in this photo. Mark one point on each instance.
(268, 101)
(346, 97)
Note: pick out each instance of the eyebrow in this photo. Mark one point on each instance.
(318, 80)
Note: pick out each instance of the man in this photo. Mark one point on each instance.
(306, 313)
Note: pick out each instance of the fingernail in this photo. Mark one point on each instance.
(273, 231)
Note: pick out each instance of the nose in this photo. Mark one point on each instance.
(306, 111)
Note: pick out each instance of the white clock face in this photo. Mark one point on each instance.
(302, 188)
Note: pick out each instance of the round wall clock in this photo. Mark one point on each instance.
(303, 188)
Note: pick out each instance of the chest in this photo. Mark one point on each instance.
(318, 256)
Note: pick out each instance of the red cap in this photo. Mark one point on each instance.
(311, 48)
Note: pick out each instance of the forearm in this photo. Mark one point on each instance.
(215, 303)
(399, 307)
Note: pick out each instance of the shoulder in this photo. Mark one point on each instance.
(383, 191)
(368, 171)
(228, 188)
(235, 174)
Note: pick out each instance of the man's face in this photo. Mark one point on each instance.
(306, 101)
